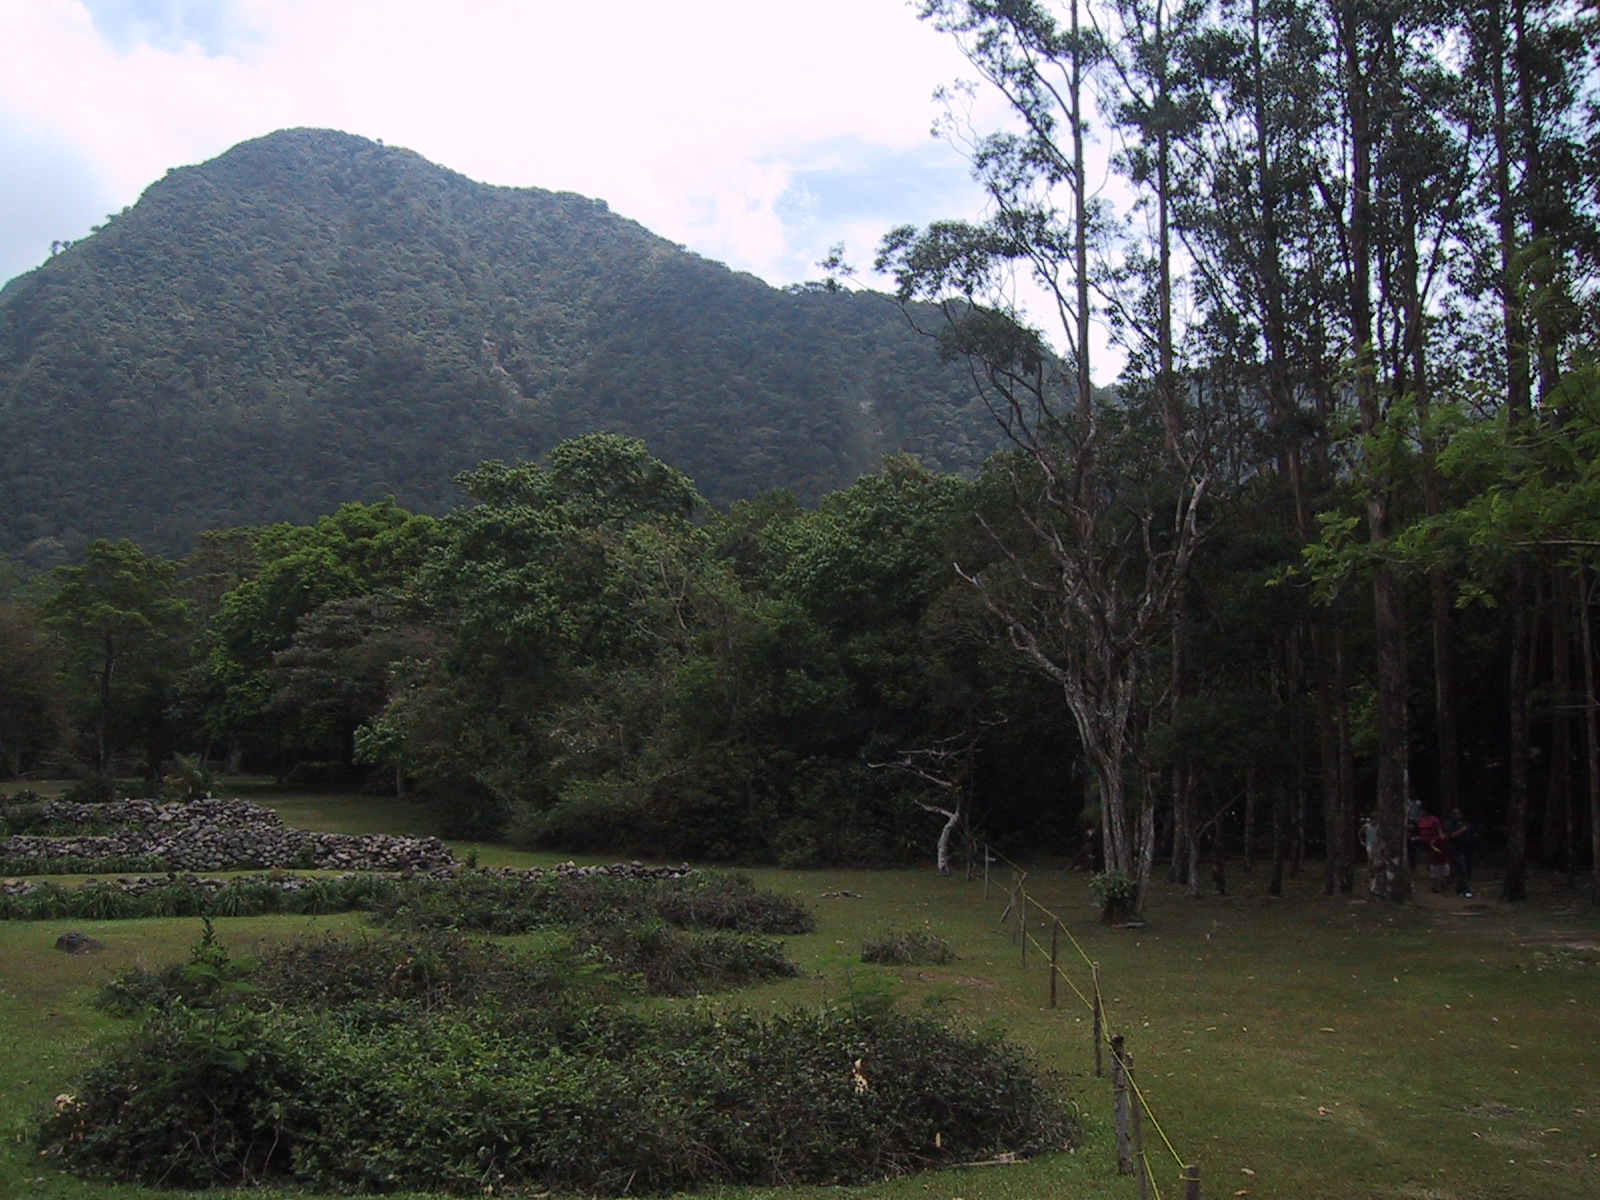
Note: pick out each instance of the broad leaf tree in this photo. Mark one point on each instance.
(117, 618)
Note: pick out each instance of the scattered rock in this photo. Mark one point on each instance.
(78, 943)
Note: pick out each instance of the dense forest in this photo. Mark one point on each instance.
(584, 656)
(1329, 547)
(314, 318)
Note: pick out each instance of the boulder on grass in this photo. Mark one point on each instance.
(78, 943)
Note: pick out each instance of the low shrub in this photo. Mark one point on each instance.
(96, 789)
(244, 896)
(667, 961)
(69, 865)
(722, 900)
(99, 902)
(211, 978)
(462, 1102)
(496, 902)
(515, 902)
(1114, 892)
(47, 902)
(907, 948)
(431, 971)
(198, 1097)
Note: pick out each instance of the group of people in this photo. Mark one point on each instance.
(1448, 844)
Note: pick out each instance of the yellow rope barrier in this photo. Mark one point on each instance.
(1150, 1174)
(1020, 893)
(1145, 1104)
(1062, 975)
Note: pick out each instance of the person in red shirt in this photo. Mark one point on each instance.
(1430, 834)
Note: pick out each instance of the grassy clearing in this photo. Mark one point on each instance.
(1449, 1050)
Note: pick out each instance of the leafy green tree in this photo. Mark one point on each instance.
(1532, 489)
(30, 701)
(117, 619)
(556, 571)
(339, 668)
(292, 572)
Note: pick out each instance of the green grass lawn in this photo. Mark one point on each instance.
(1298, 1047)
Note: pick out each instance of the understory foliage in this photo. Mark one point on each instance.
(449, 1064)
(516, 902)
(717, 921)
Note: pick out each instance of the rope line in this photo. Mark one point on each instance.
(1062, 975)
(1150, 1174)
(1020, 894)
(1145, 1104)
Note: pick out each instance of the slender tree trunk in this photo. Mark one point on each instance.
(102, 752)
(1518, 379)
(1193, 890)
(1280, 800)
(1345, 828)
(1517, 783)
(1555, 844)
(1543, 330)
(1445, 729)
(1391, 880)
(1249, 819)
(1184, 819)
(1297, 811)
(1182, 799)
(1080, 226)
(1591, 732)
(1415, 358)
(1329, 692)
(1219, 854)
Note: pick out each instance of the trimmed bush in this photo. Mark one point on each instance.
(197, 1098)
(452, 1064)
(95, 789)
(512, 902)
(462, 1102)
(666, 961)
(907, 948)
(433, 971)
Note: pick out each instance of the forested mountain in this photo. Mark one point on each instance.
(314, 318)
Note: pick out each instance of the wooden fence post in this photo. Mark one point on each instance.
(1136, 1127)
(1119, 1107)
(1190, 1178)
(1022, 929)
(1099, 1025)
(1055, 946)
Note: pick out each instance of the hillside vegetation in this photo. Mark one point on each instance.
(314, 318)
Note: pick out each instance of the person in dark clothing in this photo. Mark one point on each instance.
(1459, 836)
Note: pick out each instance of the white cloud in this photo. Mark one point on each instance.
(754, 132)
(699, 119)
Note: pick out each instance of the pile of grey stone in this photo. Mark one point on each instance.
(219, 835)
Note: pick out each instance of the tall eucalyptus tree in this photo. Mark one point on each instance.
(1090, 563)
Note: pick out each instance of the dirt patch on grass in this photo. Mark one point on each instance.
(949, 979)
(1564, 941)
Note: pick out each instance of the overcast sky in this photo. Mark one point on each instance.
(755, 132)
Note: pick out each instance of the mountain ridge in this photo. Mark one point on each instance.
(312, 318)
